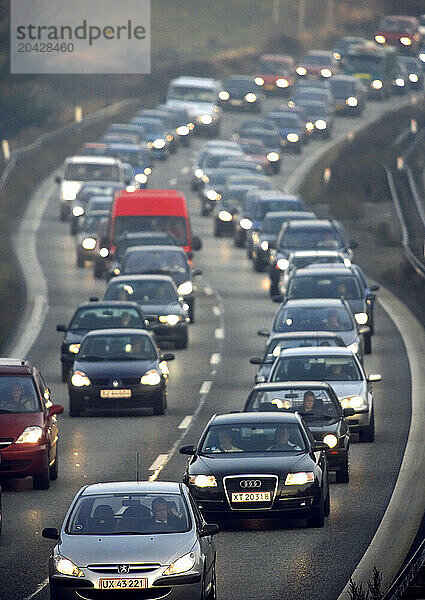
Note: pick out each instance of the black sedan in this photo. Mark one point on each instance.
(87, 236)
(319, 406)
(240, 92)
(118, 368)
(259, 464)
(96, 315)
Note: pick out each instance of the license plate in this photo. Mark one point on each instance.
(122, 584)
(115, 393)
(236, 102)
(251, 497)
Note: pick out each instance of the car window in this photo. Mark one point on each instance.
(92, 171)
(313, 319)
(320, 238)
(106, 318)
(311, 402)
(147, 261)
(316, 368)
(18, 395)
(176, 226)
(303, 261)
(258, 437)
(143, 292)
(326, 286)
(117, 347)
(276, 346)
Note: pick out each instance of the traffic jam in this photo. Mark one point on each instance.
(310, 394)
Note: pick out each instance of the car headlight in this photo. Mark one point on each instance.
(309, 126)
(74, 348)
(89, 243)
(77, 211)
(406, 41)
(337, 56)
(224, 215)
(331, 440)
(250, 97)
(361, 318)
(422, 56)
(116, 271)
(377, 84)
(66, 567)
(259, 81)
(203, 481)
(205, 119)
(223, 95)
(282, 82)
(104, 252)
(380, 39)
(169, 137)
(130, 188)
(199, 173)
(246, 224)
(152, 377)
(80, 379)
(273, 156)
(292, 137)
(163, 365)
(70, 190)
(182, 130)
(352, 101)
(400, 82)
(301, 71)
(170, 319)
(299, 478)
(264, 245)
(320, 124)
(352, 402)
(212, 195)
(282, 264)
(185, 288)
(30, 435)
(147, 171)
(326, 73)
(141, 178)
(181, 565)
(158, 144)
(413, 78)
(205, 178)
(354, 347)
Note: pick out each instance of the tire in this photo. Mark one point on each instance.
(54, 469)
(1, 515)
(74, 407)
(159, 408)
(73, 227)
(80, 260)
(181, 343)
(258, 265)
(316, 517)
(238, 241)
(97, 270)
(64, 372)
(41, 480)
(213, 591)
(204, 211)
(327, 505)
(217, 230)
(367, 433)
(343, 476)
(192, 311)
(274, 288)
(368, 344)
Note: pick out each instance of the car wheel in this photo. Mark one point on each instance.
(367, 433)
(192, 311)
(97, 270)
(343, 475)
(328, 503)
(217, 230)
(64, 372)
(159, 407)
(212, 594)
(182, 342)
(368, 344)
(316, 517)
(274, 288)
(63, 215)
(80, 260)
(74, 407)
(41, 481)
(259, 265)
(238, 240)
(54, 469)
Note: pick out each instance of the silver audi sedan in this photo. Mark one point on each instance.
(145, 538)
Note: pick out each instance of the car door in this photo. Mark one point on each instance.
(50, 422)
(206, 543)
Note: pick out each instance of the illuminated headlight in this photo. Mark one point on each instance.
(191, 126)
(405, 41)
(181, 565)
(169, 137)
(213, 195)
(361, 318)
(199, 173)
(299, 478)
(347, 262)
(77, 211)
(30, 435)
(380, 39)
(141, 178)
(80, 379)
(158, 144)
(352, 402)
(223, 95)
(163, 365)
(67, 567)
(282, 83)
(116, 271)
(413, 78)
(89, 244)
(147, 171)
(104, 252)
(151, 378)
(326, 73)
(246, 223)
(185, 288)
(331, 440)
(182, 130)
(250, 97)
(320, 124)
(74, 348)
(273, 156)
(130, 189)
(400, 82)
(354, 347)
(264, 246)
(292, 137)
(70, 190)
(282, 264)
(337, 56)
(259, 81)
(224, 215)
(377, 84)
(301, 71)
(170, 319)
(309, 126)
(422, 56)
(203, 481)
(352, 101)
(205, 119)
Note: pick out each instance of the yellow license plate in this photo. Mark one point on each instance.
(115, 393)
(122, 584)
(251, 497)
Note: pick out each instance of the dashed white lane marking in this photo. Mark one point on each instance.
(215, 358)
(158, 462)
(208, 291)
(40, 587)
(173, 181)
(217, 311)
(186, 422)
(205, 387)
(219, 333)
(185, 170)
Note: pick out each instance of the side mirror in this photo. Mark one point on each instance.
(373, 377)
(51, 533)
(167, 356)
(348, 412)
(55, 409)
(256, 360)
(319, 446)
(374, 287)
(263, 332)
(93, 299)
(190, 450)
(209, 529)
(196, 242)
(279, 298)
(196, 272)
(58, 179)
(61, 327)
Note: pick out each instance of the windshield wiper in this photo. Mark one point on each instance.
(316, 416)
(93, 358)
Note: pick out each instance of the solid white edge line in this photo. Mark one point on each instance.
(185, 422)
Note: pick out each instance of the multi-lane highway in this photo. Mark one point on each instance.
(271, 560)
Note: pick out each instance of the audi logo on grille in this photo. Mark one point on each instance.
(250, 483)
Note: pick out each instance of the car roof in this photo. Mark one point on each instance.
(205, 82)
(101, 160)
(109, 304)
(132, 487)
(16, 366)
(124, 278)
(312, 223)
(118, 331)
(279, 385)
(315, 350)
(317, 253)
(159, 248)
(303, 334)
(314, 303)
(334, 270)
(253, 417)
(275, 195)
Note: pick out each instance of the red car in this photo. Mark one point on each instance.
(318, 64)
(275, 72)
(257, 151)
(28, 424)
(401, 31)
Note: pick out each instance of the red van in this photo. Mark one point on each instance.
(401, 31)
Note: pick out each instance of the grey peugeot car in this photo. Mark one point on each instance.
(140, 539)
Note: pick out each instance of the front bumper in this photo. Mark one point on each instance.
(142, 396)
(21, 462)
(169, 333)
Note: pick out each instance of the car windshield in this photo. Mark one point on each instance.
(323, 286)
(312, 403)
(92, 171)
(176, 226)
(106, 318)
(155, 292)
(253, 148)
(91, 223)
(133, 513)
(363, 63)
(276, 346)
(192, 94)
(257, 181)
(286, 122)
(256, 437)
(316, 368)
(239, 85)
(314, 110)
(117, 347)
(133, 157)
(99, 203)
(147, 261)
(18, 395)
(314, 238)
(342, 88)
(305, 94)
(316, 60)
(308, 318)
(267, 67)
(396, 25)
(163, 239)
(299, 262)
(260, 209)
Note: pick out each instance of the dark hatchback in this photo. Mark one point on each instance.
(118, 368)
(259, 464)
(240, 92)
(321, 410)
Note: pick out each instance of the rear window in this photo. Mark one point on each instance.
(148, 261)
(176, 226)
(316, 368)
(314, 238)
(18, 395)
(291, 400)
(92, 172)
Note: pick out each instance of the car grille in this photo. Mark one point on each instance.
(107, 381)
(5, 442)
(133, 568)
(255, 483)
